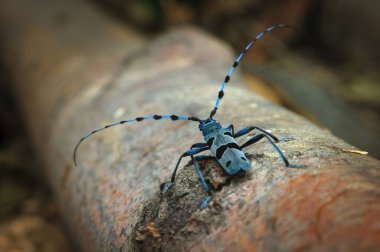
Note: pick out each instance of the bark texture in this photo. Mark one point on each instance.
(74, 70)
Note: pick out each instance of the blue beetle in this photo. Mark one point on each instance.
(224, 148)
(220, 141)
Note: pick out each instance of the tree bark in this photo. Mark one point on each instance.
(75, 70)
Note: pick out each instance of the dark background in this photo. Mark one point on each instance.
(328, 73)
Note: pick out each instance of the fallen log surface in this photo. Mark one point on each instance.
(74, 70)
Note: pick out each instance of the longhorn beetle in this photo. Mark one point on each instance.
(220, 141)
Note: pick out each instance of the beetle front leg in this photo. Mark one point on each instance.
(190, 152)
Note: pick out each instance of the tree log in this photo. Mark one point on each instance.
(75, 70)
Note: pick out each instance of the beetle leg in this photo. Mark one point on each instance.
(201, 178)
(194, 150)
(257, 138)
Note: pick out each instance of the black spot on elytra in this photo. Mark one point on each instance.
(233, 146)
(228, 163)
(227, 133)
(220, 151)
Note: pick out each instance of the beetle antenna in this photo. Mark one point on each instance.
(137, 119)
(239, 58)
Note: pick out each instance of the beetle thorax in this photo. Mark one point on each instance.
(208, 126)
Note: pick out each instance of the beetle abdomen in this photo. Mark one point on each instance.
(224, 147)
